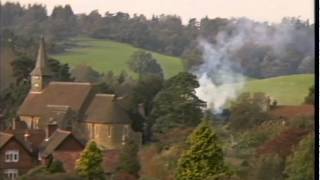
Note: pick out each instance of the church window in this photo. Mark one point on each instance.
(109, 131)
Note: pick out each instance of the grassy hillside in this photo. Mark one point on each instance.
(289, 90)
(105, 55)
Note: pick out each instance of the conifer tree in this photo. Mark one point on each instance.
(204, 157)
(89, 164)
(129, 161)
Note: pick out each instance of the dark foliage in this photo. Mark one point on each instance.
(167, 34)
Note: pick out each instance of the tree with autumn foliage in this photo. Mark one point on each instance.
(89, 164)
(204, 157)
(300, 165)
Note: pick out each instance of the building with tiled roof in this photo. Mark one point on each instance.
(74, 106)
(69, 114)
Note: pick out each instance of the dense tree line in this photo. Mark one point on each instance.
(167, 34)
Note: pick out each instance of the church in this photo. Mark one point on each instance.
(66, 115)
(74, 106)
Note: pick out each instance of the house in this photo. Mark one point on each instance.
(62, 146)
(18, 152)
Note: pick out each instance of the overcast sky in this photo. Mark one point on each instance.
(261, 10)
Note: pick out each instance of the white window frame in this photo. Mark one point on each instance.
(11, 174)
(11, 156)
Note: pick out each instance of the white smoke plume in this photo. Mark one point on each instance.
(221, 74)
(218, 82)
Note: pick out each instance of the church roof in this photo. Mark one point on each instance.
(104, 108)
(41, 68)
(70, 94)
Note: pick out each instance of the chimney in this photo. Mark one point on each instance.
(27, 138)
(51, 129)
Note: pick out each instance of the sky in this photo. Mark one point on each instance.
(260, 10)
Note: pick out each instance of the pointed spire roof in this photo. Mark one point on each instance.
(42, 68)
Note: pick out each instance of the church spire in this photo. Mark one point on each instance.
(41, 74)
(41, 68)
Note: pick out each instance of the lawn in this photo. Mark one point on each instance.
(105, 55)
(289, 90)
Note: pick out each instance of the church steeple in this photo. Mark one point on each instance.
(41, 74)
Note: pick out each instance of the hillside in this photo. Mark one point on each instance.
(289, 90)
(105, 55)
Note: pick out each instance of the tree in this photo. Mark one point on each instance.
(310, 98)
(142, 97)
(89, 164)
(145, 90)
(300, 165)
(248, 111)
(143, 63)
(268, 167)
(129, 161)
(60, 71)
(176, 105)
(56, 167)
(22, 66)
(84, 73)
(204, 157)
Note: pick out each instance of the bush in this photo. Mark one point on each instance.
(56, 167)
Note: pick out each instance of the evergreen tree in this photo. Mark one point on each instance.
(176, 105)
(89, 164)
(129, 161)
(204, 157)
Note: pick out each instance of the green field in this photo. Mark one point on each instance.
(288, 90)
(105, 55)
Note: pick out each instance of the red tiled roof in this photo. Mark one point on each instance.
(36, 137)
(4, 138)
(56, 93)
(54, 141)
(104, 108)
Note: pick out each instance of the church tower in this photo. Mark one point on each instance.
(41, 74)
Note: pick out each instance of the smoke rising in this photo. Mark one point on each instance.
(218, 81)
(247, 48)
